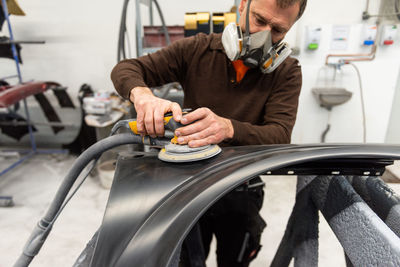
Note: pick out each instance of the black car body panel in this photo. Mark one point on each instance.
(153, 204)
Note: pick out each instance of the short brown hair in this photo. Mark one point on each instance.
(287, 3)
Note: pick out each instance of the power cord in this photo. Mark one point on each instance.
(362, 100)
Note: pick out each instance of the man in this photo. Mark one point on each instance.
(234, 103)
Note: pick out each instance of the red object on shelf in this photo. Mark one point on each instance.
(154, 35)
(10, 95)
(388, 42)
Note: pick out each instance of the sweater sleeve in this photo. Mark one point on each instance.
(279, 112)
(164, 66)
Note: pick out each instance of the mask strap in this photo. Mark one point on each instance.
(246, 39)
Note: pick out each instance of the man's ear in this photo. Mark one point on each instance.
(242, 5)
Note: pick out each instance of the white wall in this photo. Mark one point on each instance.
(378, 77)
(393, 132)
(81, 37)
(81, 43)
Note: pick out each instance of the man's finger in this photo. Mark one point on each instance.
(199, 143)
(176, 111)
(198, 114)
(196, 136)
(159, 122)
(149, 122)
(193, 128)
(140, 123)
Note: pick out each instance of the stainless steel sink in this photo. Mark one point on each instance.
(329, 97)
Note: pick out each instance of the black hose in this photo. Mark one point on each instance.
(323, 136)
(82, 161)
(43, 228)
(166, 34)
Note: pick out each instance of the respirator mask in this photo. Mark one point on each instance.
(256, 49)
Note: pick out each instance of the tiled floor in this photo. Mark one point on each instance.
(34, 184)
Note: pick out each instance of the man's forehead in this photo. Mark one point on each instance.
(270, 10)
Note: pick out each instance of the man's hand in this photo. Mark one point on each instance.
(205, 128)
(150, 111)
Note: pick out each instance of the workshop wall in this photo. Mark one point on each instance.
(379, 77)
(81, 47)
(81, 37)
(80, 41)
(393, 132)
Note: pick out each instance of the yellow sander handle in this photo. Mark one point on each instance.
(169, 124)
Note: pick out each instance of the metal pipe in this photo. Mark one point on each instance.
(22, 123)
(358, 57)
(384, 15)
(13, 46)
(24, 42)
(164, 26)
(139, 44)
(122, 29)
(15, 164)
(151, 13)
(15, 56)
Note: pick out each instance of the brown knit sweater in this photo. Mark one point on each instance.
(262, 107)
